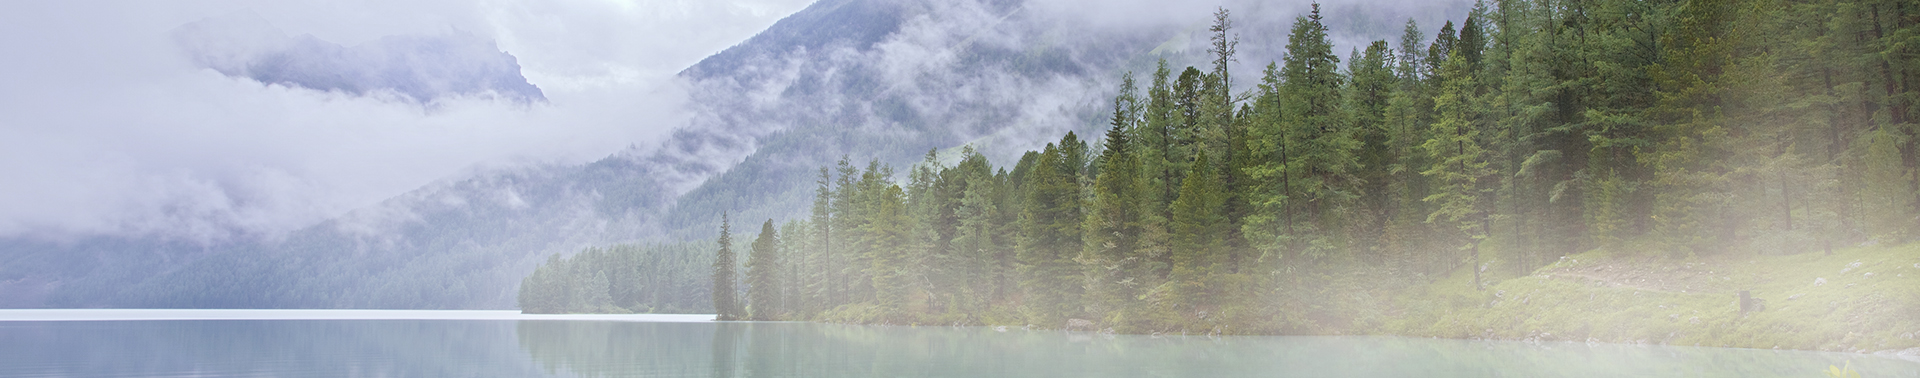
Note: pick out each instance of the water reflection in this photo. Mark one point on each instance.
(261, 348)
(529, 348)
(825, 350)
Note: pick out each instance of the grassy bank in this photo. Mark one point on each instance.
(1855, 300)
(1861, 300)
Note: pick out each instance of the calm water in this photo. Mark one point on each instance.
(226, 343)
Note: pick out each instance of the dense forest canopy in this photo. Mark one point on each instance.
(1531, 130)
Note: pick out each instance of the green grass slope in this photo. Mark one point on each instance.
(1861, 300)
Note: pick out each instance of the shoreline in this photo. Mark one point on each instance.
(107, 315)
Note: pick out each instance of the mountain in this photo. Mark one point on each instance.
(868, 80)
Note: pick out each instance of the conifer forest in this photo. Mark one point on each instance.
(1340, 191)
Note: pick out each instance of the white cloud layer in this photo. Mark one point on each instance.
(106, 128)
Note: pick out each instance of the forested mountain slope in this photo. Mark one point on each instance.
(865, 79)
(1612, 170)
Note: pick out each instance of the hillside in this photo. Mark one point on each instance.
(881, 80)
(1854, 300)
(1534, 173)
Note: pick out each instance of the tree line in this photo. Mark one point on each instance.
(1534, 129)
(621, 279)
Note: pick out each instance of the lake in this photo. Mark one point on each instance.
(373, 343)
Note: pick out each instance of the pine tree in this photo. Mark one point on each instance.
(540, 292)
(1113, 221)
(887, 239)
(1155, 151)
(763, 275)
(1684, 117)
(822, 262)
(1050, 235)
(933, 197)
(1367, 102)
(1621, 42)
(1525, 91)
(598, 298)
(1440, 51)
(1472, 43)
(795, 238)
(1223, 50)
(1226, 138)
(1319, 160)
(725, 300)
(1270, 226)
(846, 219)
(1191, 124)
(871, 193)
(1310, 109)
(1459, 162)
(1157, 136)
(1198, 227)
(1408, 113)
(976, 243)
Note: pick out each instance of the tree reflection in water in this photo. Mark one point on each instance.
(775, 349)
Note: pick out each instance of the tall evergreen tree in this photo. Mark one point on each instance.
(821, 261)
(1050, 236)
(795, 240)
(1113, 223)
(871, 193)
(1192, 124)
(1459, 162)
(1408, 111)
(725, 297)
(887, 239)
(1157, 135)
(1155, 151)
(1524, 87)
(845, 220)
(1685, 118)
(1440, 50)
(1223, 49)
(1472, 42)
(1319, 160)
(1226, 138)
(763, 275)
(1198, 227)
(930, 227)
(1271, 226)
(977, 242)
(1367, 101)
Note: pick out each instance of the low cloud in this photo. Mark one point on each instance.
(111, 128)
(415, 68)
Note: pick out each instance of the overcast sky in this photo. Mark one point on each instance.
(106, 127)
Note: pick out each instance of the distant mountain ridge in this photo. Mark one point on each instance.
(869, 80)
(858, 23)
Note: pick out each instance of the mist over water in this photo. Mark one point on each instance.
(375, 343)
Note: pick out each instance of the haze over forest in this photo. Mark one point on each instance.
(1231, 167)
(1539, 171)
(428, 155)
